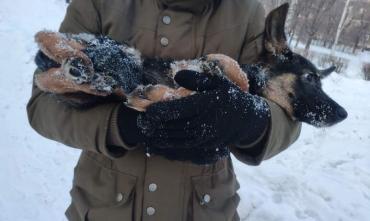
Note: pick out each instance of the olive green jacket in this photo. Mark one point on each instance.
(114, 181)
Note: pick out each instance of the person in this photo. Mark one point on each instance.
(184, 172)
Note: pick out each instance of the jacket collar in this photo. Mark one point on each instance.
(194, 6)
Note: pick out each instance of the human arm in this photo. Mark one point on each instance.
(219, 114)
(282, 130)
(93, 129)
(281, 133)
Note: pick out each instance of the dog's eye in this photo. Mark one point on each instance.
(310, 77)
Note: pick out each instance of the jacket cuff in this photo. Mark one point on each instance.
(260, 139)
(281, 133)
(115, 147)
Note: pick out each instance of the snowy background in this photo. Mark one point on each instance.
(324, 176)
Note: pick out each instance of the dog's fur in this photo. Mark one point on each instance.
(280, 75)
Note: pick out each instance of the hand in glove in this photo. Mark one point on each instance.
(218, 115)
(132, 135)
(127, 125)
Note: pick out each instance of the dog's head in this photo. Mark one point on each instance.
(291, 80)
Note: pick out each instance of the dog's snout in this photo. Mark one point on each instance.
(342, 113)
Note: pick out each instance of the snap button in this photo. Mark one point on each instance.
(206, 199)
(119, 197)
(150, 211)
(164, 41)
(166, 20)
(152, 187)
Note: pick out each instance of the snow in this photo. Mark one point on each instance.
(35, 173)
(324, 176)
(355, 61)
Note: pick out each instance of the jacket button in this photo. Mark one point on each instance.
(150, 211)
(119, 197)
(152, 187)
(164, 41)
(166, 20)
(206, 198)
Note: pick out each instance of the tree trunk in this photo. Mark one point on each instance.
(357, 41)
(340, 26)
(298, 40)
(292, 34)
(308, 44)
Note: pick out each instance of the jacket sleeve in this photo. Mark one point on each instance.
(280, 134)
(282, 130)
(92, 129)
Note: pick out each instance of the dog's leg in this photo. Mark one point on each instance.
(231, 69)
(60, 48)
(214, 64)
(55, 81)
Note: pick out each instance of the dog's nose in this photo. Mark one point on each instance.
(342, 113)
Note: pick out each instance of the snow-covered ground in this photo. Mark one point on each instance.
(324, 176)
(355, 62)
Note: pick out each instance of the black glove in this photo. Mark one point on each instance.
(127, 125)
(218, 115)
(132, 134)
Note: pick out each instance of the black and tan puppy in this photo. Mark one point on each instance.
(81, 67)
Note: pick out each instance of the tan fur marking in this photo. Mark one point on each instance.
(54, 81)
(57, 47)
(275, 47)
(232, 70)
(194, 65)
(137, 103)
(278, 90)
(183, 92)
(142, 97)
(158, 93)
(119, 92)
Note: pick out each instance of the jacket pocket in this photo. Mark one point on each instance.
(100, 193)
(215, 197)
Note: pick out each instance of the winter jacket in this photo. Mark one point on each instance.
(114, 181)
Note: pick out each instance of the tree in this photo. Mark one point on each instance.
(341, 25)
(317, 14)
(327, 22)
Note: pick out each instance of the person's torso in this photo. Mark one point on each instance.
(160, 31)
(135, 186)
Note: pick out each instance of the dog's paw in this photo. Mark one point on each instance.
(58, 46)
(55, 81)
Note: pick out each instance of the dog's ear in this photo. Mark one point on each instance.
(275, 38)
(326, 72)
